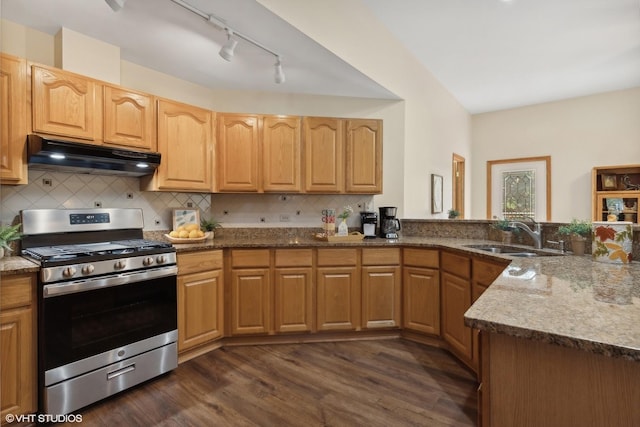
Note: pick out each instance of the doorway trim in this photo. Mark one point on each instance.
(457, 183)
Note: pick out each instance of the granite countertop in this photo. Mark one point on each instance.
(567, 300)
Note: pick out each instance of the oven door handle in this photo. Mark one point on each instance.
(58, 289)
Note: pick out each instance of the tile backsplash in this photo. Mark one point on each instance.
(48, 189)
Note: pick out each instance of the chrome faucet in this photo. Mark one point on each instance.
(536, 233)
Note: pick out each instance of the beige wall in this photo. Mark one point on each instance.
(578, 134)
(435, 124)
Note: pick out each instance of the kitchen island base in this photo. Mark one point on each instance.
(533, 383)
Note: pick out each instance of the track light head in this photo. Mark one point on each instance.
(227, 50)
(116, 5)
(279, 76)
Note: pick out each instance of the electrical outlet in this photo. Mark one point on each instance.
(284, 218)
(284, 197)
(189, 204)
(97, 204)
(47, 182)
(129, 195)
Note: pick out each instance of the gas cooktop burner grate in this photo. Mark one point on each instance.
(120, 247)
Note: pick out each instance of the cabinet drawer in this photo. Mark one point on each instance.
(337, 257)
(456, 264)
(195, 262)
(381, 256)
(486, 272)
(16, 291)
(249, 258)
(421, 257)
(294, 257)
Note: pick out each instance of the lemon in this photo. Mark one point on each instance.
(174, 234)
(200, 233)
(193, 234)
(191, 227)
(180, 228)
(184, 234)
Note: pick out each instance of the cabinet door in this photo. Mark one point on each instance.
(364, 156)
(338, 298)
(456, 300)
(281, 153)
(129, 118)
(324, 154)
(64, 103)
(238, 152)
(422, 299)
(250, 301)
(17, 345)
(13, 124)
(200, 308)
(185, 143)
(293, 299)
(381, 290)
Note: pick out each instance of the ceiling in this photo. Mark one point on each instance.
(490, 54)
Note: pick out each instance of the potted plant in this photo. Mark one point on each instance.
(578, 231)
(506, 229)
(8, 234)
(343, 230)
(209, 226)
(453, 214)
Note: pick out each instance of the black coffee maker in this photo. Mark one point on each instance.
(389, 224)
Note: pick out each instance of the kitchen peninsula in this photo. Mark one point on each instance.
(544, 306)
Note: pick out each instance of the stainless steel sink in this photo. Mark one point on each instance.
(513, 251)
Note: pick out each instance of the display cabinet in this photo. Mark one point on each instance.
(616, 190)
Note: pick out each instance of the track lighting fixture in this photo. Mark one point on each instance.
(279, 73)
(227, 50)
(116, 5)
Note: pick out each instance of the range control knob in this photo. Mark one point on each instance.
(147, 261)
(119, 265)
(161, 259)
(69, 272)
(87, 269)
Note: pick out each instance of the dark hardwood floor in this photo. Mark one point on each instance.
(356, 383)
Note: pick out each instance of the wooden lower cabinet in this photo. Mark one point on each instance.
(18, 345)
(293, 290)
(456, 300)
(251, 293)
(483, 274)
(421, 288)
(338, 290)
(381, 288)
(200, 298)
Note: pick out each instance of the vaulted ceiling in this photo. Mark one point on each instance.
(490, 54)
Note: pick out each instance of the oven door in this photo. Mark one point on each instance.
(82, 321)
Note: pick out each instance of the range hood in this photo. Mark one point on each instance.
(75, 157)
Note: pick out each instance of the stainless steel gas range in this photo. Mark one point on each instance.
(107, 312)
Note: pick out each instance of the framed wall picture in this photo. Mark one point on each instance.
(609, 182)
(185, 216)
(436, 193)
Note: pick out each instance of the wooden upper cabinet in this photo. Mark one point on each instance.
(364, 156)
(64, 103)
(324, 154)
(129, 118)
(13, 124)
(238, 152)
(281, 153)
(186, 145)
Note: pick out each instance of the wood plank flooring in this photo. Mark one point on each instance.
(386, 383)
